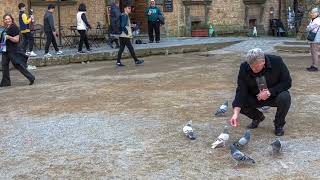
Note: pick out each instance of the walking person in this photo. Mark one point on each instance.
(27, 34)
(82, 27)
(126, 36)
(50, 31)
(13, 53)
(153, 12)
(114, 24)
(314, 26)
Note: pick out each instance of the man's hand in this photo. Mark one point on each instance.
(234, 118)
(263, 95)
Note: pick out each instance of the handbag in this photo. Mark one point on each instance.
(312, 35)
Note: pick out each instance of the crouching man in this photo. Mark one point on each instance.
(263, 80)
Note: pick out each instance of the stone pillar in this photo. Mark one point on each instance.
(188, 21)
(246, 20)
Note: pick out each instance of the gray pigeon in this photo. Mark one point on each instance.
(240, 157)
(276, 146)
(188, 131)
(222, 109)
(243, 140)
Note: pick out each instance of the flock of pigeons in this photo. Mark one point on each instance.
(235, 148)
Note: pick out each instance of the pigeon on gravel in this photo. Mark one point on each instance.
(276, 146)
(240, 157)
(222, 139)
(188, 131)
(222, 109)
(243, 140)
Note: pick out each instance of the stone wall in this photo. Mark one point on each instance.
(10, 6)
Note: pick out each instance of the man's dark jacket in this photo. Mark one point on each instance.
(275, 72)
(115, 19)
(48, 22)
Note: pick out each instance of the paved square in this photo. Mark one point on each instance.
(99, 121)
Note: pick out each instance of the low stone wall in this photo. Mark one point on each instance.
(112, 55)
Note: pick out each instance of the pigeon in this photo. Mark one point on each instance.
(222, 139)
(240, 157)
(222, 109)
(188, 131)
(276, 146)
(243, 140)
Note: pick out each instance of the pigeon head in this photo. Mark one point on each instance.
(226, 130)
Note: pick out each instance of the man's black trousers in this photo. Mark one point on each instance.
(50, 39)
(123, 43)
(154, 25)
(282, 102)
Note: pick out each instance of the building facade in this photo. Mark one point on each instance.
(180, 15)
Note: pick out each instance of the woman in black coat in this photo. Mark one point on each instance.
(13, 53)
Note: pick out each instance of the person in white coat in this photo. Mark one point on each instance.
(82, 27)
(314, 26)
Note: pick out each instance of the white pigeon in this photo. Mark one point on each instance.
(276, 146)
(222, 139)
(243, 140)
(240, 157)
(188, 131)
(222, 109)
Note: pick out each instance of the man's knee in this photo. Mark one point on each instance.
(284, 98)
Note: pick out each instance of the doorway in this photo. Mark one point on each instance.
(137, 13)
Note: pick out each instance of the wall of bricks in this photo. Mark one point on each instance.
(221, 12)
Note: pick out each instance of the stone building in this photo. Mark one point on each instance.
(181, 15)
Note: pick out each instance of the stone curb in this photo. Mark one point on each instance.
(292, 48)
(112, 55)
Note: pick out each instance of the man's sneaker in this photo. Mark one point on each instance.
(157, 41)
(31, 82)
(47, 55)
(32, 54)
(139, 61)
(80, 52)
(278, 131)
(89, 50)
(28, 53)
(150, 41)
(59, 52)
(255, 123)
(120, 64)
(312, 69)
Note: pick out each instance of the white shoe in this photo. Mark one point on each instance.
(28, 53)
(30, 67)
(47, 55)
(59, 52)
(32, 54)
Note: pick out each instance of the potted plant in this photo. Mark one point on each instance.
(200, 30)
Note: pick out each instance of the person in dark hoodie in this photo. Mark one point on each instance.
(153, 12)
(82, 26)
(50, 31)
(13, 53)
(114, 24)
(126, 36)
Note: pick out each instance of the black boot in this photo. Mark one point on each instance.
(255, 123)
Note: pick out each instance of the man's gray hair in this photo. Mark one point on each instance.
(255, 55)
(315, 10)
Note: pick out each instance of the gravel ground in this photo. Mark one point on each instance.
(97, 121)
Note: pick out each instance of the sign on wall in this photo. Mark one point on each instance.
(167, 6)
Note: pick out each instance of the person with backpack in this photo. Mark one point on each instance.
(153, 13)
(82, 26)
(114, 24)
(126, 36)
(27, 35)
